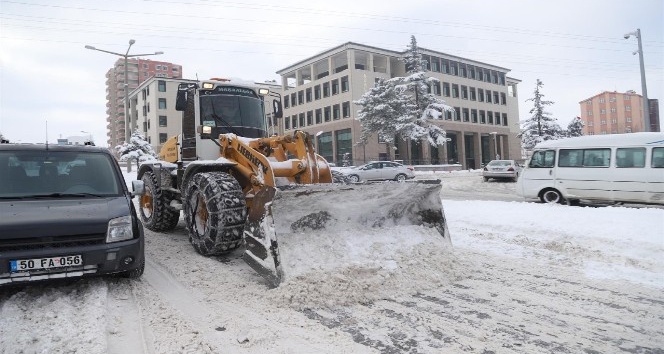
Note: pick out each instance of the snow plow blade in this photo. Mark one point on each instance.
(296, 229)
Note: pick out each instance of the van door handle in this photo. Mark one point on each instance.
(550, 172)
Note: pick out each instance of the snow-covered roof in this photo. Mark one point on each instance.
(629, 139)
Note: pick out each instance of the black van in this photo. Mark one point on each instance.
(65, 211)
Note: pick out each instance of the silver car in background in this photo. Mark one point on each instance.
(501, 169)
(379, 170)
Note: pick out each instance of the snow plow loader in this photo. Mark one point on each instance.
(274, 196)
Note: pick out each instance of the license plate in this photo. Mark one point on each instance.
(21, 265)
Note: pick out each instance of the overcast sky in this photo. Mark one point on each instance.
(575, 47)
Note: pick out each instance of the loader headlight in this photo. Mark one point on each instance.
(119, 229)
(208, 85)
(263, 91)
(207, 130)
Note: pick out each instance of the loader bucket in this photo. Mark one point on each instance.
(296, 229)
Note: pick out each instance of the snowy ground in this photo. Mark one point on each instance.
(521, 278)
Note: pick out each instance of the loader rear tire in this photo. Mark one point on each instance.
(153, 207)
(215, 212)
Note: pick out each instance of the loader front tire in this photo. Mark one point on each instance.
(154, 210)
(215, 212)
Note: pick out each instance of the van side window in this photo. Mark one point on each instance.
(631, 157)
(596, 157)
(543, 159)
(657, 158)
(570, 158)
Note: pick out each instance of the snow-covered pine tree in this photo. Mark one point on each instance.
(575, 127)
(3, 140)
(540, 126)
(403, 106)
(138, 149)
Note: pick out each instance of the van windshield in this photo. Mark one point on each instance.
(56, 174)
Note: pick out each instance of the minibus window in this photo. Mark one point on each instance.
(570, 158)
(657, 158)
(596, 157)
(631, 157)
(543, 159)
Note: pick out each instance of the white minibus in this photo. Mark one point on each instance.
(602, 168)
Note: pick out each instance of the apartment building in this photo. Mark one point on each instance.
(138, 71)
(152, 104)
(318, 96)
(616, 113)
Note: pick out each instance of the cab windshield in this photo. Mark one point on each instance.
(233, 111)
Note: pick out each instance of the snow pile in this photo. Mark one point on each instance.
(352, 244)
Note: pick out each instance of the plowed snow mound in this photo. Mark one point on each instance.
(341, 267)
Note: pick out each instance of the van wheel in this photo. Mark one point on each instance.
(551, 196)
(135, 273)
(354, 178)
(215, 212)
(154, 210)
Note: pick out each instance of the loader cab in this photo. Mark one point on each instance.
(218, 107)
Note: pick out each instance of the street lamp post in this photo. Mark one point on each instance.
(646, 107)
(126, 56)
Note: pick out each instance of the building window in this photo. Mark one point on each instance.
(503, 98)
(473, 116)
(326, 89)
(287, 123)
(495, 97)
(345, 108)
(457, 113)
(497, 115)
(455, 91)
(505, 119)
(327, 113)
(590, 123)
(436, 88)
(462, 70)
(628, 119)
(486, 75)
(454, 68)
(286, 101)
(480, 95)
(471, 72)
(626, 97)
(335, 86)
(344, 140)
(473, 94)
(300, 97)
(446, 89)
(489, 117)
(163, 121)
(602, 111)
(162, 138)
(435, 65)
(464, 92)
(488, 96)
(308, 94)
(482, 118)
(448, 115)
(325, 146)
(319, 116)
(613, 110)
(162, 103)
(302, 120)
(294, 121)
(344, 84)
(336, 112)
(310, 118)
(293, 99)
(317, 92)
(445, 66)
(161, 85)
(612, 99)
(590, 113)
(589, 102)
(465, 115)
(602, 100)
(628, 108)
(614, 121)
(602, 122)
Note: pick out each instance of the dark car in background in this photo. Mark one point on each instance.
(501, 169)
(66, 212)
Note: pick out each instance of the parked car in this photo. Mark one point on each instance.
(379, 170)
(66, 212)
(501, 169)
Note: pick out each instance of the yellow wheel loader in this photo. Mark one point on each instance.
(270, 195)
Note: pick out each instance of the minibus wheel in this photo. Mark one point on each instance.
(551, 196)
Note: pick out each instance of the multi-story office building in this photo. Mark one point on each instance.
(153, 105)
(138, 70)
(318, 96)
(615, 113)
